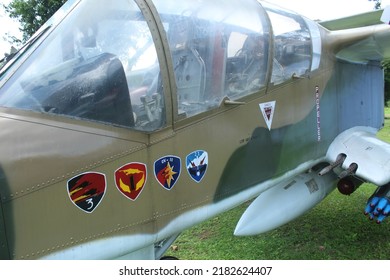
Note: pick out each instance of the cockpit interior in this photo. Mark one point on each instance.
(105, 64)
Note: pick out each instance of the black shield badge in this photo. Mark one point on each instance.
(87, 190)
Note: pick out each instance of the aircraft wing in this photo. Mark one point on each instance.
(365, 155)
(370, 42)
(355, 21)
(362, 38)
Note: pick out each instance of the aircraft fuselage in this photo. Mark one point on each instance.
(122, 125)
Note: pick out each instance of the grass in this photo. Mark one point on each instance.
(335, 229)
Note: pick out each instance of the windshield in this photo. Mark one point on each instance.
(99, 64)
(8, 60)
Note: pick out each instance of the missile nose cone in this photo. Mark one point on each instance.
(242, 231)
(283, 203)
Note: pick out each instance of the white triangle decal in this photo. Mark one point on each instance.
(268, 109)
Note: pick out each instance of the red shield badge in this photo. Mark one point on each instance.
(130, 179)
(87, 190)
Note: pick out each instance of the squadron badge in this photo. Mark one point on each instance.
(268, 109)
(167, 171)
(130, 179)
(87, 190)
(196, 163)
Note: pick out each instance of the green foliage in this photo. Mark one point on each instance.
(386, 64)
(378, 4)
(386, 67)
(32, 14)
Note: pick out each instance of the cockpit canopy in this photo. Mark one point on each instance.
(101, 61)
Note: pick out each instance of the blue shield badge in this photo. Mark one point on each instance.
(197, 163)
(167, 171)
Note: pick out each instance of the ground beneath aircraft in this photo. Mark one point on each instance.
(335, 229)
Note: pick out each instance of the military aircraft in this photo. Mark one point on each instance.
(124, 123)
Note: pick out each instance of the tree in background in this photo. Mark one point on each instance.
(385, 64)
(378, 4)
(386, 67)
(32, 14)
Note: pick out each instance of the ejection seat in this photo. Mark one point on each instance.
(246, 70)
(95, 90)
